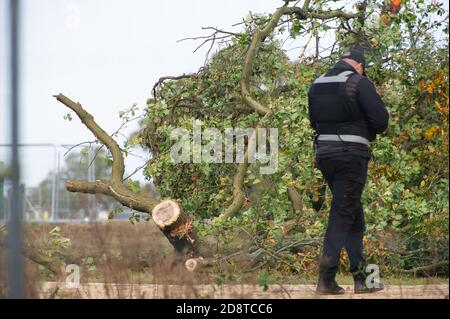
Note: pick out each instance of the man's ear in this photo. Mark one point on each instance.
(360, 68)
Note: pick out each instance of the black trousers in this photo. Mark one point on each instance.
(346, 177)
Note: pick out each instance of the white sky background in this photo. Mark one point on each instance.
(105, 54)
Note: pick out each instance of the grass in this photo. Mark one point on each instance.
(348, 280)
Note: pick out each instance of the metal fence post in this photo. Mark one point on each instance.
(54, 184)
(14, 235)
(2, 183)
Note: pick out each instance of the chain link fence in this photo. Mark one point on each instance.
(46, 169)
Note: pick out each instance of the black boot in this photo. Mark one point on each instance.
(361, 287)
(327, 285)
(360, 277)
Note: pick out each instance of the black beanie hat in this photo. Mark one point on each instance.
(356, 53)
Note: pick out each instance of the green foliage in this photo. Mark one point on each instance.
(68, 117)
(135, 217)
(115, 211)
(54, 250)
(406, 196)
(56, 244)
(89, 263)
(264, 280)
(134, 186)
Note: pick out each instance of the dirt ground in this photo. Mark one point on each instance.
(99, 290)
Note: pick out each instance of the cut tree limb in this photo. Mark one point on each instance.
(166, 213)
(176, 225)
(177, 229)
(199, 263)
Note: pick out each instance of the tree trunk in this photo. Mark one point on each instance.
(176, 226)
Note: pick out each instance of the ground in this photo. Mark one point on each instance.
(276, 291)
(118, 259)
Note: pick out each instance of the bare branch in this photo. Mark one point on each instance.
(425, 269)
(217, 34)
(79, 144)
(161, 80)
(138, 169)
(88, 120)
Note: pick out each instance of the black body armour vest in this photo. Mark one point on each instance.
(334, 107)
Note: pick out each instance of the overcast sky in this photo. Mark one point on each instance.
(105, 54)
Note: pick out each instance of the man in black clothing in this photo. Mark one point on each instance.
(346, 113)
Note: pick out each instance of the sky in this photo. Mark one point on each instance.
(105, 54)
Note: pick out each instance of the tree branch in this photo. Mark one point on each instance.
(238, 179)
(258, 37)
(178, 230)
(261, 34)
(114, 187)
(162, 79)
(87, 119)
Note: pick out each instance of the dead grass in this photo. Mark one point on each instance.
(118, 254)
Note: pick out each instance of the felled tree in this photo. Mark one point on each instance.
(249, 83)
(186, 239)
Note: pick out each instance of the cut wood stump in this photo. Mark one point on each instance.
(166, 214)
(176, 226)
(199, 263)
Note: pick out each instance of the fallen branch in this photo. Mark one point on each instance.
(239, 177)
(425, 269)
(186, 242)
